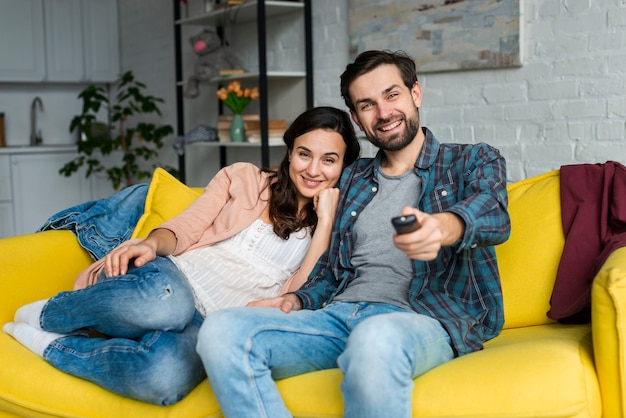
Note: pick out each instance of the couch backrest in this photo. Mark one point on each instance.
(529, 260)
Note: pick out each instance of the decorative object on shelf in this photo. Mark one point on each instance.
(237, 130)
(237, 99)
(135, 143)
(213, 56)
(251, 123)
(201, 133)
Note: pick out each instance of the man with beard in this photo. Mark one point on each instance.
(383, 307)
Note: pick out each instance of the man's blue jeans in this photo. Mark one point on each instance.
(379, 348)
(151, 324)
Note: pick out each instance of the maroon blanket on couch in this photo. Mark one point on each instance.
(593, 210)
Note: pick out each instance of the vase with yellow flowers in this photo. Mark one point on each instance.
(237, 99)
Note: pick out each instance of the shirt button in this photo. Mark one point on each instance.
(353, 213)
(444, 193)
(374, 189)
(473, 246)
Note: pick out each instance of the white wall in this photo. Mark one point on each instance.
(147, 48)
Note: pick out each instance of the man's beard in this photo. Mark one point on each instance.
(399, 141)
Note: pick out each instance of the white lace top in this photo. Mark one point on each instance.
(251, 265)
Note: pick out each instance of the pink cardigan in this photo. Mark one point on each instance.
(229, 204)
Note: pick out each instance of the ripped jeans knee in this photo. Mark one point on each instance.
(155, 296)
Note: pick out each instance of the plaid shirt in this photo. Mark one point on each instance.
(461, 287)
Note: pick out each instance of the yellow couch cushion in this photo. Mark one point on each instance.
(529, 260)
(166, 198)
(541, 371)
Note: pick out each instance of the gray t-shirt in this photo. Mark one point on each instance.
(383, 272)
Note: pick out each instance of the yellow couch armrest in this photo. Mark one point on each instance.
(608, 324)
(37, 266)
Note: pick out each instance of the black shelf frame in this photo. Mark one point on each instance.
(263, 79)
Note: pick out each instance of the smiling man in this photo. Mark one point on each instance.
(383, 307)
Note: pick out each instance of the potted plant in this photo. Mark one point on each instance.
(136, 143)
(237, 99)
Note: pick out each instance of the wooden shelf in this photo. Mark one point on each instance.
(272, 75)
(242, 13)
(236, 144)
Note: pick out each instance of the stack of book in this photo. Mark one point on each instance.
(275, 130)
(252, 123)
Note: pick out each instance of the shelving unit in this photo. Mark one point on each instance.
(250, 12)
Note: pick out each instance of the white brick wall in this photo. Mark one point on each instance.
(565, 105)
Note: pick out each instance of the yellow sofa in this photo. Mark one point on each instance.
(535, 368)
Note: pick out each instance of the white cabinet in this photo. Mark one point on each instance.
(59, 40)
(32, 190)
(6, 205)
(40, 191)
(100, 40)
(22, 56)
(82, 40)
(64, 47)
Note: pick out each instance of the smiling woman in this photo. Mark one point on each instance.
(315, 162)
(251, 234)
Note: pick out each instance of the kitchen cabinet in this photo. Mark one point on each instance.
(31, 188)
(62, 40)
(100, 40)
(274, 41)
(82, 39)
(64, 46)
(6, 204)
(22, 51)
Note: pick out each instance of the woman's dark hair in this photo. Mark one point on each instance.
(283, 204)
(370, 60)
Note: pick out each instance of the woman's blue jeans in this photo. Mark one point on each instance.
(151, 326)
(379, 348)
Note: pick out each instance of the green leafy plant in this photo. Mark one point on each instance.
(136, 143)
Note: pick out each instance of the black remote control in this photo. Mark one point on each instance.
(405, 224)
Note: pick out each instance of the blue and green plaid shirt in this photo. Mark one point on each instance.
(461, 287)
